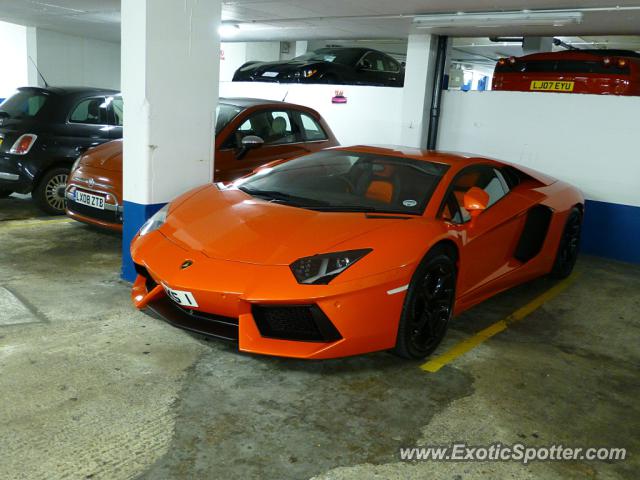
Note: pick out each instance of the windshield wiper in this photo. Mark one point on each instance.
(283, 197)
(362, 209)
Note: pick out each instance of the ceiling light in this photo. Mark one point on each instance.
(498, 19)
(228, 30)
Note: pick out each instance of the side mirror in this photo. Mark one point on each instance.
(476, 201)
(252, 141)
(249, 143)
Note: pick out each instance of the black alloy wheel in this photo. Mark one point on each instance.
(569, 246)
(428, 306)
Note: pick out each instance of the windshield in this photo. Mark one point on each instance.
(345, 181)
(23, 104)
(224, 114)
(346, 56)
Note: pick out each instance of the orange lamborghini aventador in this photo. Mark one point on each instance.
(352, 250)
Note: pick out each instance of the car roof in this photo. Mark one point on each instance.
(581, 54)
(72, 90)
(436, 156)
(257, 102)
(457, 160)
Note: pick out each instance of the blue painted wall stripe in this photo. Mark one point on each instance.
(611, 230)
(135, 215)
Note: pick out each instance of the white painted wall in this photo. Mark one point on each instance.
(67, 60)
(371, 116)
(591, 141)
(13, 39)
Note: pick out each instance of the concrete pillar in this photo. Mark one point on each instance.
(418, 88)
(301, 47)
(170, 67)
(536, 44)
(32, 57)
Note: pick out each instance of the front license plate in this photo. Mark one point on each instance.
(551, 86)
(270, 74)
(90, 200)
(186, 299)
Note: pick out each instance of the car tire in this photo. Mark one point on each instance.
(428, 306)
(5, 193)
(46, 192)
(567, 253)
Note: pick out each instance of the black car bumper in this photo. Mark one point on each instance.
(206, 324)
(15, 175)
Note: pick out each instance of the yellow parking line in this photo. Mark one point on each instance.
(15, 224)
(463, 347)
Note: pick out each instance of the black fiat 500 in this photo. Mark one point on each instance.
(44, 130)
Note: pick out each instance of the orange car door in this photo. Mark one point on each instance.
(490, 239)
(282, 139)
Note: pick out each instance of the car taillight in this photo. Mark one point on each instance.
(502, 61)
(23, 144)
(622, 62)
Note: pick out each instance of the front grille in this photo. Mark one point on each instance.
(150, 283)
(304, 323)
(208, 324)
(86, 211)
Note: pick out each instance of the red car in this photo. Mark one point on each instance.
(249, 133)
(600, 72)
(352, 250)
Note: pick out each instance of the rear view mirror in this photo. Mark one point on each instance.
(476, 201)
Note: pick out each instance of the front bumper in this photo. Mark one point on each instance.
(110, 218)
(350, 318)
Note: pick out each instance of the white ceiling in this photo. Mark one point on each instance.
(309, 19)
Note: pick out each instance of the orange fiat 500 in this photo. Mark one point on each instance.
(352, 250)
(249, 133)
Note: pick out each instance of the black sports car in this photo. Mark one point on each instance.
(343, 65)
(44, 130)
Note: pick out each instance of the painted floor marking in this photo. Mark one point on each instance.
(463, 347)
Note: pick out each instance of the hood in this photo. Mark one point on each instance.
(107, 156)
(231, 225)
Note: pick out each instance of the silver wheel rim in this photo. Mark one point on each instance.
(52, 189)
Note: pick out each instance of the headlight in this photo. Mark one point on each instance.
(155, 222)
(77, 162)
(308, 73)
(321, 269)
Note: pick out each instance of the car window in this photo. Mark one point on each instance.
(91, 111)
(373, 61)
(340, 180)
(311, 128)
(274, 127)
(118, 110)
(487, 178)
(23, 104)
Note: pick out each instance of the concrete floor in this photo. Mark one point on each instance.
(91, 388)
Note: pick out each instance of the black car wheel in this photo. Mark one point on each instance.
(428, 306)
(569, 245)
(5, 193)
(49, 192)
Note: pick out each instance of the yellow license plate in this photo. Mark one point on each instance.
(551, 86)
